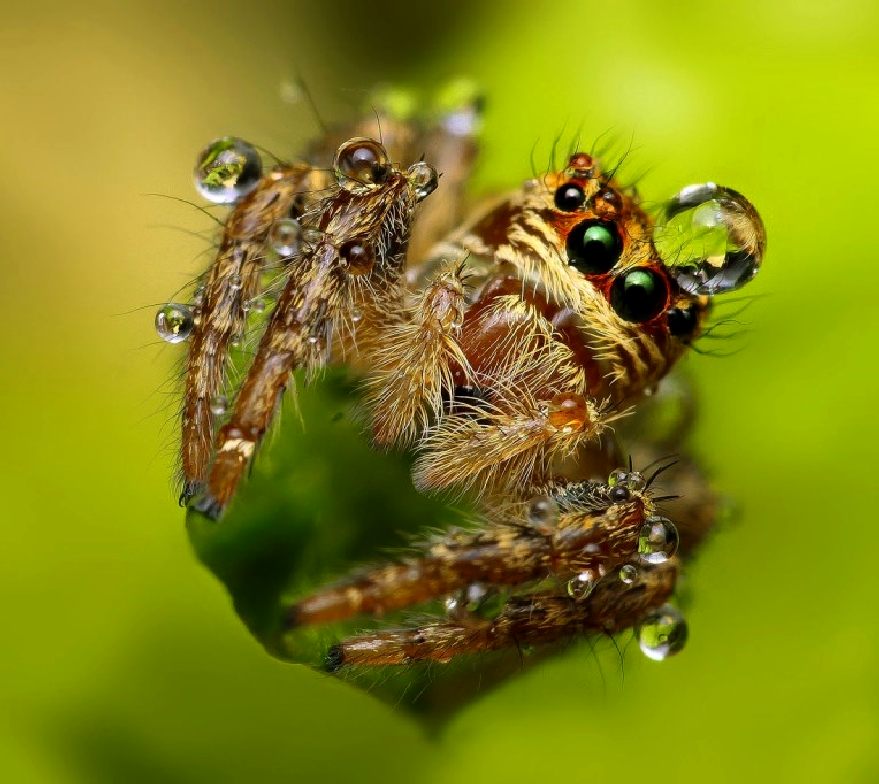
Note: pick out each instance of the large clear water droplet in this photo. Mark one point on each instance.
(580, 586)
(174, 322)
(663, 633)
(284, 237)
(227, 169)
(657, 540)
(361, 164)
(712, 239)
(628, 574)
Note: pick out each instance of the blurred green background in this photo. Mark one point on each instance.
(122, 659)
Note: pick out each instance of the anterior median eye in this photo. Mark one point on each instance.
(594, 247)
(639, 294)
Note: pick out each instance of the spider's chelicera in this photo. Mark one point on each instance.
(500, 345)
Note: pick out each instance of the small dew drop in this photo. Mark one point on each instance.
(581, 586)
(226, 170)
(543, 512)
(628, 573)
(284, 237)
(356, 315)
(658, 540)
(235, 282)
(663, 633)
(258, 305)
(423, 178)
(174, 322)
(219, 405)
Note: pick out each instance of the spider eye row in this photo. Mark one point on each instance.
(638, 294)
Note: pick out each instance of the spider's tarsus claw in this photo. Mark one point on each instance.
(208, 506)
(334, 659)
(190, 490)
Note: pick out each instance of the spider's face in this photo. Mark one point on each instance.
(588, 254)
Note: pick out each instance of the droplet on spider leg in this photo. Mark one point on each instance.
(657, 540)
(628, 574)
(235, 282)
(258, 305)
(219, 405)
(284, 237)
(712, 239)
(580, 586)
(198, 296)
(175, 322)
(358, 257)
(356, 315)
(227, 170)
(543, 512)
(663, 633)
(423, 178)
(361, 164)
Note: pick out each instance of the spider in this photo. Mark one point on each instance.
(502, 347)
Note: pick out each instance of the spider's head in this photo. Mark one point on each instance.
(636, 292)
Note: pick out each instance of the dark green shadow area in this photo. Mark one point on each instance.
(319, 502)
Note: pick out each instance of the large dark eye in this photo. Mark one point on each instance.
(594, 247)
(569, 197)
(639, 294)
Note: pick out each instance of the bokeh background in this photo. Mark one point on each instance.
(120, 656)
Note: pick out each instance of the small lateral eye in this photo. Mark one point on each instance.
(682, 322)
(594, 247)
(569, 197)
(639, 294)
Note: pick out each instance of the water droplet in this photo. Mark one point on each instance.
(581, 586)
(258, 305)
(227, 169)
(356, 315)
(712, 239)
(628, 573)
(423, 178)
(631, 480)
(658, 540)
(543, 512)
(358, 256)
(219, 405)
(236, 340)
(174, 322)
(313, 339)
(235, 282)
(452, 605)
(284, 237)
(663, 633)
(311, 236)
(198, 297)
(361, 164)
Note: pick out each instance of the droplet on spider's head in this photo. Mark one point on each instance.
(361, 164)
(663, 633)
(175, 322)
(284, 237)
(423, 178)
(358, 256)
(628, 574)
(711, 238)
(227, 170)
(219, 405)
(631, 480)
(543, 512)
(580, 586)
(657, 540)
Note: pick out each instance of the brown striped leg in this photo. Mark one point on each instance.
(589, 535)
(612, 607)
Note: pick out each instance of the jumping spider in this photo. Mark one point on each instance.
(500, 348)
